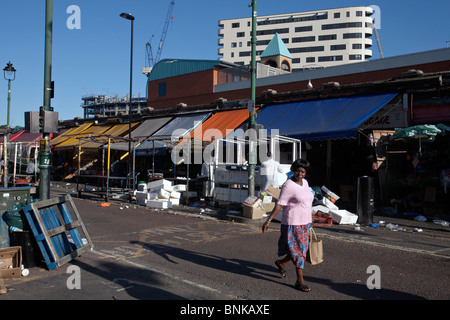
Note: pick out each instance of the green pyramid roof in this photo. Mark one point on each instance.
(276, 47)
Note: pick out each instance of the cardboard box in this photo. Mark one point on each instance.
(343, 216)
(252, 208)
(251, 201)
(268, 206)
(329, 195)
(252, 212)
(10, 262)
(275, 193)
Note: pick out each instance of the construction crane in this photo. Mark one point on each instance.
(151, 59)
(377, 38)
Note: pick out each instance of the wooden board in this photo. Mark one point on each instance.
(58, 229)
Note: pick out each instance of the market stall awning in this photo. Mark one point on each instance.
(220, 125)
(13, 136)
(80, 138)
(171, 133)
(322, 119)
(144, 130)
(181, 125)
(70, 133)
(115, 132)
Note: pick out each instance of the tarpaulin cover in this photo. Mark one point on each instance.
(322, 119)
(426, 131)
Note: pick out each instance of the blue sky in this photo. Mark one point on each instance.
(95, 58)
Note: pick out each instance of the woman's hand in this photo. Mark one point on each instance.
(265, 226)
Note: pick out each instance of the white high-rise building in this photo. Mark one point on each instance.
(315, 39)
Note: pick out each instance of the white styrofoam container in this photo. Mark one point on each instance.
(175, 201)
(162, 193)
(179, 187)
(175, 194)
(142, 187)
(161, 183)
(160, 204)
(141, 195)
(320, 208)
(343, 216)
(329, 204)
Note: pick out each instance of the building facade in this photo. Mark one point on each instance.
(315, 39)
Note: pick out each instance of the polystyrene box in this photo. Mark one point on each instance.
(343, 216)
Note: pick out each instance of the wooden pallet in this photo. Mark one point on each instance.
(58, 230)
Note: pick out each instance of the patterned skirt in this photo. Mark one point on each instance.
(294, 240)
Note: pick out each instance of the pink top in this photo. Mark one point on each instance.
(297, 203)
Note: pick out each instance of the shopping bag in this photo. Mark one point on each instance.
(315, 250)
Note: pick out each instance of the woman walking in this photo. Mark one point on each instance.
(296, 202)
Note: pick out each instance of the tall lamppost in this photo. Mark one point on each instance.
(130, 166)
(9, 73)
(252, 119)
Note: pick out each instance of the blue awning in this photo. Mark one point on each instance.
(322, 119)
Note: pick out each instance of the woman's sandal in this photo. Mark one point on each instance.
(302, 287)
(280, 269)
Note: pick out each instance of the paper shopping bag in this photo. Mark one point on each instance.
(315, 250)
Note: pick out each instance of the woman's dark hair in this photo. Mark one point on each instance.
(300, 163)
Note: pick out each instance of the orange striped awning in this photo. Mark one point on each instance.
(220, 125)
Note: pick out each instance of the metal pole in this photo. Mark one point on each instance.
(130, 166)
(6, 160)
(45, 154)
(252, 120)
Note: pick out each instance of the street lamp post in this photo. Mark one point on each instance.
(252, 120)
(44, 144)
(129, 17)
(9, 73)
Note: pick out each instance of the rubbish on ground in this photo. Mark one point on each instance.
(343, 216)
(441, 222)
(420, 218)
(104, 204)
(329, 195)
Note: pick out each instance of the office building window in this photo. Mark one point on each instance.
(352, 35)
(303, 29)
(338, 47)
(355, 57)
(328, 37)
(236, 25)
(330, 58)
(304, 39)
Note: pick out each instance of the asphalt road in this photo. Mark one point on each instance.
(189, 255)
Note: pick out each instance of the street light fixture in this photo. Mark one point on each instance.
(9, 73)
(129, 17)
